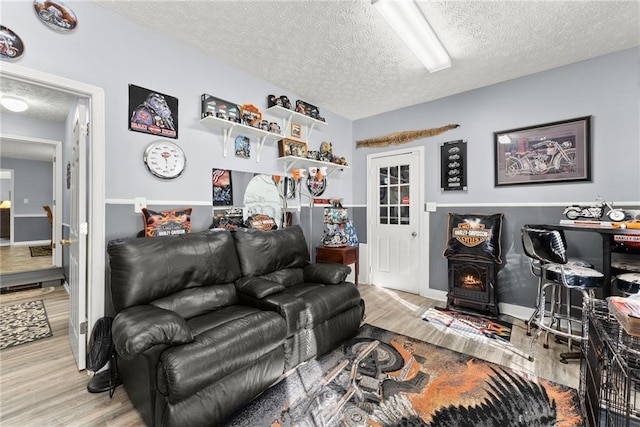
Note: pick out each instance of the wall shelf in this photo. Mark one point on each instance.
(229, 127)
(293, 162)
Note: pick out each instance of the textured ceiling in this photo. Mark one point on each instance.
(44, 103)
(341, 55)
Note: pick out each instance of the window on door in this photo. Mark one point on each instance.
(393, 187)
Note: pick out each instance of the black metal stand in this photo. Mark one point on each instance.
(106, 380)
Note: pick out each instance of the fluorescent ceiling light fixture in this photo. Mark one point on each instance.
(16, 105)
(406, 18)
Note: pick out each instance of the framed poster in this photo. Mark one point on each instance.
(222, 189)
(548, 153)
(152, 112)
(453, 166)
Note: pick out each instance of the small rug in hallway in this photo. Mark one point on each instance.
(40, 251)
(23, 323)
(381, 378)
(469, 323)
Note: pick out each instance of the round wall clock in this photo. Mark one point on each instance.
(165, 159)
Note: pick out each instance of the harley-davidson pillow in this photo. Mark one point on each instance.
(166, 223)
(474, 236)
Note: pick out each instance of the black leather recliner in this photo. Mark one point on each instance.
(321, 309)
(188, 353)
(196, 340)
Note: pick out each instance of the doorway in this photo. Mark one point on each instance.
(94, 254)
(397, 235)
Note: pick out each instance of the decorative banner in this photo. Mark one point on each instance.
(404, 137)
(55, 15)
(222, 190)
(152, 112)
(453, 165)
(11, 46)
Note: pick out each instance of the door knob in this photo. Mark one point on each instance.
(65, 242)
(414, 234)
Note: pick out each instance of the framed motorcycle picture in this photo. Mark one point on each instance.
(554, 152)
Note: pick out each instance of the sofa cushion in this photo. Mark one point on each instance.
(147, 269)
(218, 352)
(324, 302)
(264, 252)
(195, 301)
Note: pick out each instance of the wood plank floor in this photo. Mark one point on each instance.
(40, 386)
(17, 258)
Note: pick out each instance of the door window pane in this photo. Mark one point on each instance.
(404, 195)
(393, 215)
(384, 176)
(384, 218)
(404, 174)
(393, 175)
(404, 215)
(393, 195)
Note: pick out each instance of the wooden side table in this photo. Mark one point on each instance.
(344, 255)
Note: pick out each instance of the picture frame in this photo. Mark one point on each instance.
(291, 147)
(453, 165)
(152, 112)
(222, 187)
(554, 152)
(296, 130)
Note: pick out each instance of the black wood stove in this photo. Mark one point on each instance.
(473, 255)
(472, 283)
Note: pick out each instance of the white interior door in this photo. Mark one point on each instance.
(395, 196)
(78, 241)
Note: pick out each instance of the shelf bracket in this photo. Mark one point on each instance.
(311, 126)
(259, 147)
(226, 136)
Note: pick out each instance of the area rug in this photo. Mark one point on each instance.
(469, 323)
(381, 378)
(40, 251)
(23, 323)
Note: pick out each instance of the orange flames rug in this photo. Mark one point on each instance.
(381, 378)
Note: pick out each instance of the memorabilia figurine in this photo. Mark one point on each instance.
(285, 102)
(275, 128)
(595, 211)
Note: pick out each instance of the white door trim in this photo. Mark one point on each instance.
(96, 196)
(423, 223)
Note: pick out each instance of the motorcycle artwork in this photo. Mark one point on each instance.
(547, 156)
(11, 46)
(595, 211)
(55, 15)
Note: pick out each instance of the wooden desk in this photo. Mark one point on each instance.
(607, 242)
(344, 255)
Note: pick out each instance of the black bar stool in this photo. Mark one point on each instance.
(549, 249)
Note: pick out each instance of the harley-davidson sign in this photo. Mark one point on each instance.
(471, 234)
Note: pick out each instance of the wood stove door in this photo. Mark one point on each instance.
(395, 196)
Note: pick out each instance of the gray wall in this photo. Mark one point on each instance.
(606, 88)
(32, 181)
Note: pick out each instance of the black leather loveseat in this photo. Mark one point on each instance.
(207, 321)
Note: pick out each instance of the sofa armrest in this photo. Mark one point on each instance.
(257, 287)
(327, 274)
(137, 329)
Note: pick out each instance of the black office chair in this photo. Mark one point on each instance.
(548, 252)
